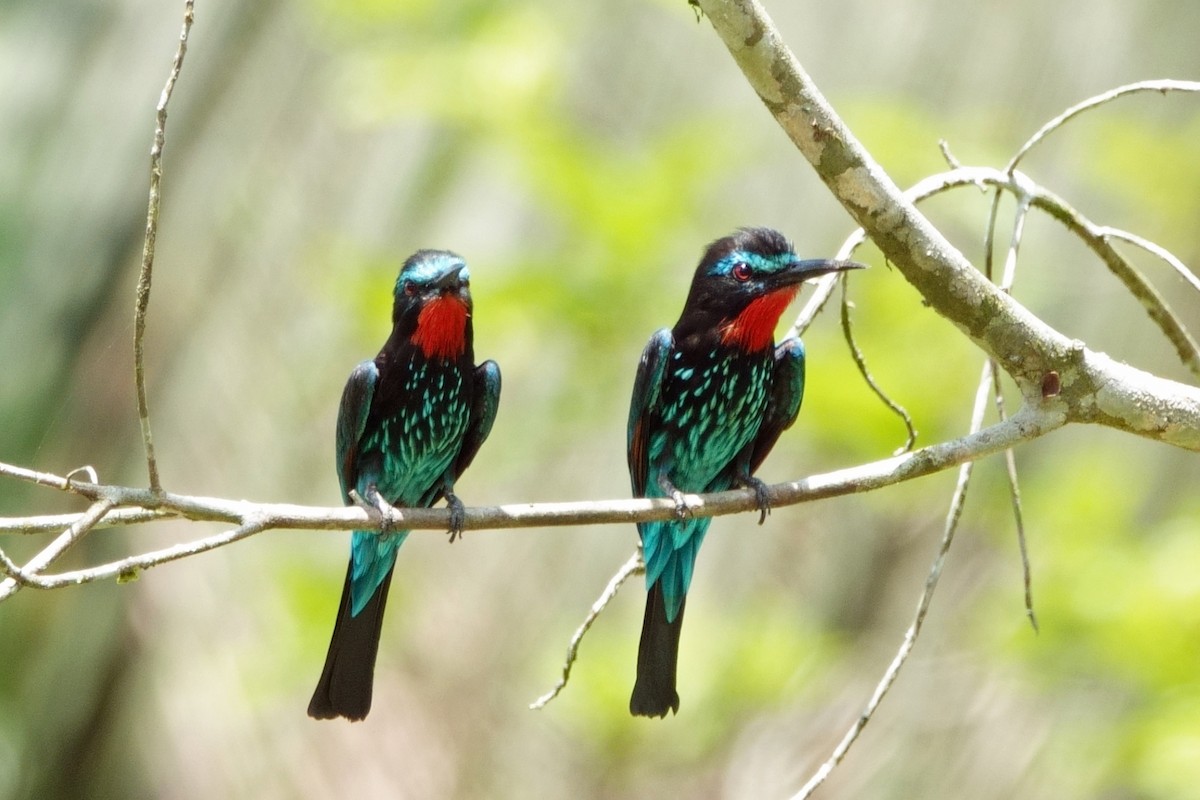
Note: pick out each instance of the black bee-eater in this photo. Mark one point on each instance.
(410, 421)
(711, 397)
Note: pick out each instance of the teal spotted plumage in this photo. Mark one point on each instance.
(711, 397)
(410, 421)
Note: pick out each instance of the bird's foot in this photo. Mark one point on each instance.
(391, 516)
(458, 515)
(762, 496)
(682, 509)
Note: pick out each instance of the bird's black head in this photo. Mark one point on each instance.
(432, 305)
(428, 275)
(755, 270)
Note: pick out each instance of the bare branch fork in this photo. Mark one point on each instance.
(1093, 387)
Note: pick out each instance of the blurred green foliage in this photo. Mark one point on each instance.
(579, 156)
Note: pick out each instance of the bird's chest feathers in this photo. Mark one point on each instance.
(714, 407)
(754, 328)
(423, 410)
(442, 328)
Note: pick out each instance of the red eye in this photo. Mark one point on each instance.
(409, 288)
(742, 271)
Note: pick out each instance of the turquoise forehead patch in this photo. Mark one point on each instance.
(761, 264)
(432, 266)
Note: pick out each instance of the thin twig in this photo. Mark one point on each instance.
(1014, 246)
(1014, 493)
(144, 277)
(914, 629)
(1007, 280)
(1097, 238)
(1022, 540)
(1161, 86)
(29, 574)
(127, 569)
(117, 517)
(634, 566)
(1154, 249)
(860, 361)
(989, 233)
(951, 160)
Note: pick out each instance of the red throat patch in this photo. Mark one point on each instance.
(754, 328)
(442, 327)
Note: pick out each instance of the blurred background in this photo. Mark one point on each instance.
(579, 155)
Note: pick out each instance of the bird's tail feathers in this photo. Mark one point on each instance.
(654, 691)
(671, 559)
(372, 557)
(347, 679)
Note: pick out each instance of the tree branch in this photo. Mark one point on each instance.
(1093, 387)
(251, 518)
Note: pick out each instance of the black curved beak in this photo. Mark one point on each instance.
(807, 269)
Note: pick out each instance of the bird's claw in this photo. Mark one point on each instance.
(390, 517)
(682, 509)
(458, 516)
(762, 496)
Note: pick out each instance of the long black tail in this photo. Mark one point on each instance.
(658, 654)
(344, 689)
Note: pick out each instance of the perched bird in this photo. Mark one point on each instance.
(410, 421)
(711, 397)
